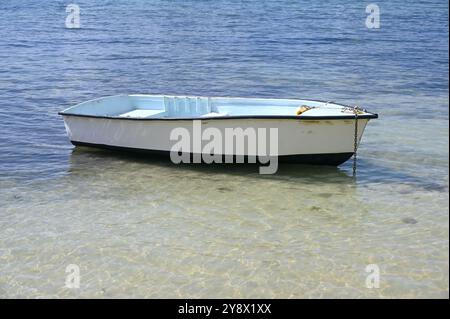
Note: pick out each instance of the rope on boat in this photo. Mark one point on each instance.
(356, 111)
(302, 109)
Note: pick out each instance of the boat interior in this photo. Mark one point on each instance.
(165, 106)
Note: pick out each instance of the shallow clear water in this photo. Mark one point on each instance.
(146, 228)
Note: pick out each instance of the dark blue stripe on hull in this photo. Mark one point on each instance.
(332, 159)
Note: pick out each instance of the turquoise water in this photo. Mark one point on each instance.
(147, 228)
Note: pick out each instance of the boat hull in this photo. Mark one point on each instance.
(313, 159)
(323, 142)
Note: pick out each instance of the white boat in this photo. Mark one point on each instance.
(308, 131)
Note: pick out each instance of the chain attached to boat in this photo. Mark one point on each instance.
(356, 111)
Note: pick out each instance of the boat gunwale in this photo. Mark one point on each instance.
(233, 117)
(230, 117)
